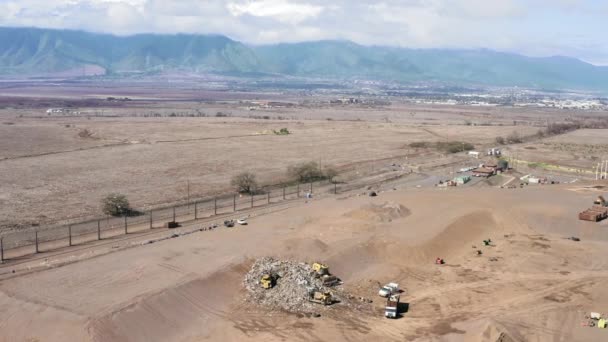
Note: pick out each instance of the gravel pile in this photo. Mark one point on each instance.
(291, 290)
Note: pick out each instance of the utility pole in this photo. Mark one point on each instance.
(188, 191)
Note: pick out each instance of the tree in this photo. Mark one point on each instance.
(514, 138)
(330, 173)
(305, 172)
(245, 182)
(503, 164)
(115, 204)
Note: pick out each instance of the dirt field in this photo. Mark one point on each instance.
(583, 148)
(58, 168)
(539, 287)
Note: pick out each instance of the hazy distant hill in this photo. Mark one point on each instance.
(40, 51)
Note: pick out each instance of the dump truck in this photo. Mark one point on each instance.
(391, 310)
(598, 212)
(320, 297)
(268, 281)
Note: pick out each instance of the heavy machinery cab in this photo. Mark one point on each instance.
(268, 281)
(320, 297)
(320, 269)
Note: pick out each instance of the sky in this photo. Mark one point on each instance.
(575, 28)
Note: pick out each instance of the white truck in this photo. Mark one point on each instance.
(388, 290)
(392, 307)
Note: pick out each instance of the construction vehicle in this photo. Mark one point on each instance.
(268, 281)
(391, 310)
(320, 297)
(601, 201)
(598, 212)
(320, 269)
(388, 290)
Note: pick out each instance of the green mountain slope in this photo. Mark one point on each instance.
(33, 51)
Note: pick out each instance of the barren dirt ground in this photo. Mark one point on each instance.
(190, 288)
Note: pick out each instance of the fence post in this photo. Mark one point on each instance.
(252, 200)
(37, 250)
(311, 187)
(234, 203)
(174, 214)
(283, 192)
(70, 235)
(126, 232)
(98, 229)
(214, 205)
(298, 190)
(335, 188)
(151, 222)
(268, 197)
(196, 210)
(1, 250)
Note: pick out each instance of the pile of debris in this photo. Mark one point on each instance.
(293, 282)
(292, 285)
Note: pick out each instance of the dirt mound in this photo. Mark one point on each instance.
(385, 212)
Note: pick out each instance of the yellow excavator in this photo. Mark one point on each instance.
(268, 281)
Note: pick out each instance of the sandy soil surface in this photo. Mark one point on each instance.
(538, 287)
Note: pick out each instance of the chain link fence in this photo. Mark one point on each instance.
(20, 244)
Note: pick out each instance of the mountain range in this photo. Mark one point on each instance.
(33, 51)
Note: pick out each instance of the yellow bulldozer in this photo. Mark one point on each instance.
(320, 269)
(268, 281)
(320, 297)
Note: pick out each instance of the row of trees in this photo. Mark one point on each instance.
(246, 182)
(116, 204)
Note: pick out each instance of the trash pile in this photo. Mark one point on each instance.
(292, 283)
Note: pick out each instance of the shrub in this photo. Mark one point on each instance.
(305, 172)
(500, 140)
(115, 204)
(454, 146)
(330, 173)
(282, 131)
(514, 138)
(245, 182)
(419, 144)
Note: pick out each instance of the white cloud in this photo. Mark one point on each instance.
(280, 10)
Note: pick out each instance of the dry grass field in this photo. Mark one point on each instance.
(56, 168)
